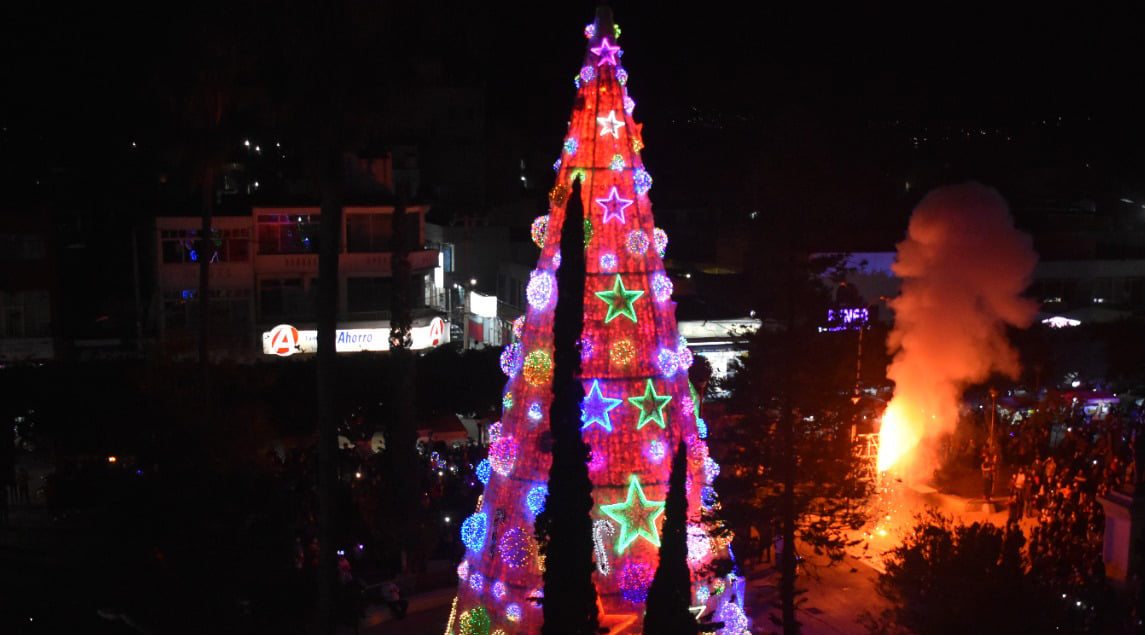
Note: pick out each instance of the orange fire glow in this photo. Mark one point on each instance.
(897, 436)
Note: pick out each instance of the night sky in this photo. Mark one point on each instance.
(819, 98)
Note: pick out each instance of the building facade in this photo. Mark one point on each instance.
(27, 293)
(264, 274)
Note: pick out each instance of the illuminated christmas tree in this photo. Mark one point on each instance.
(638, 402)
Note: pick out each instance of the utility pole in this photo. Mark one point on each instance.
(993, 410)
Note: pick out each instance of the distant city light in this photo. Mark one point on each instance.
(112, 459)
(1060, 322)
(246, 142)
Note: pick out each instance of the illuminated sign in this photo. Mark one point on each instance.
(1060, 322)
(845, 318)
(284, 340)
(482, 305)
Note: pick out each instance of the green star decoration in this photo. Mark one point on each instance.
(651, 406)
(636, 515)
(619, 300)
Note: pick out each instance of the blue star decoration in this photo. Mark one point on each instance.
(636, 515)
(595, 408)
(651, 406)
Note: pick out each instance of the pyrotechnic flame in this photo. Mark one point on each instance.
(963, 267)
(897, 437)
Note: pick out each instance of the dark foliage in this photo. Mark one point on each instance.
(670, 593)
(565, 527)
(946, 579)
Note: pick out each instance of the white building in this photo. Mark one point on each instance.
(264, 273)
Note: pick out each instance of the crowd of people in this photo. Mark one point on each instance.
(371, 567)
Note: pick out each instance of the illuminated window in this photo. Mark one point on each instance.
(227, 245)
(288, 233)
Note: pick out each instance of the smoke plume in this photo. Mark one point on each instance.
(963, 267)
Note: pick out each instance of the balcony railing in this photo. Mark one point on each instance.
(378, 263)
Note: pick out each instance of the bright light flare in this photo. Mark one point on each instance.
(897, 437)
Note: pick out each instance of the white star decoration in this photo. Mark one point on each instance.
(610, 125)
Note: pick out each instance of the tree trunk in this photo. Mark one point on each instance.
(402, 441)
(206, 252)
(787, 463)
(670, 594)
(327, 314)
(566, 525)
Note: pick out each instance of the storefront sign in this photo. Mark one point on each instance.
(284, 340)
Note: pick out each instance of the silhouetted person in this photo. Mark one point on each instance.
(988, 469)
(22, 486)
(392, 596)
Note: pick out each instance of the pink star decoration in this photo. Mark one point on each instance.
(614, 206)
(606, 52)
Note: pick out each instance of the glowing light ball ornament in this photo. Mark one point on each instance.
(538, 368)
(535, 500)
(495, 431)
(661, 287)
(514, 547)
(503, 455)
(476, 582)
(643, 181)
(539, 230)
(511, 359)
(463, 570)
(622, 353)
(608, 262)
(596, 461)
(473, 531)
(539, 291)
(636, 243)
(634, 578)
(711, 469)
(668, 362)
(685, 354)
(660, 239)
(586, 348)
(475, 621)
(655, 451)
(637, 402)
(699, 545)
(484, 471)
(703, 593)
(735, 622)
(536, 412)
(518, 327)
